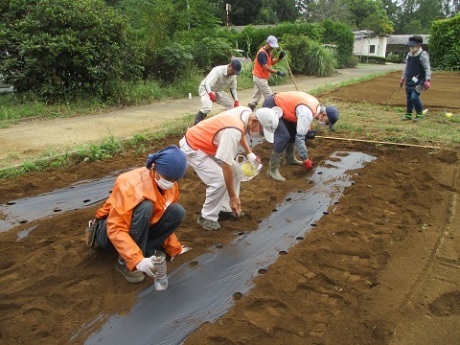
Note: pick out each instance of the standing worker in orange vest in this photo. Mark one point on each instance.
(262, 68)
(299, 111)
(211, 147)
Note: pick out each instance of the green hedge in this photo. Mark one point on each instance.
(445, 44)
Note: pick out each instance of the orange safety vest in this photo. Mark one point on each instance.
(201, 136)
(290, 100)
(130, 189)
(258, 69)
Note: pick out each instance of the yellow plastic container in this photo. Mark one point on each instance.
(248, 170)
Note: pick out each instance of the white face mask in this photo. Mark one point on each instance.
(163, 183)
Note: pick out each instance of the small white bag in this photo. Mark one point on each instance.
(247, 171)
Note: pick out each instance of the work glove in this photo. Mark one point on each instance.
(236, 104)
(311, 134)
(252, 158)
(281, 73)
(427, 85)
(282, 55)
(146, 266)
(308, 164)
(401, 83)
(212, 96)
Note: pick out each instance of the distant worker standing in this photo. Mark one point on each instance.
(212, 88)
(262, 68)
(417, 76)
(299, 109)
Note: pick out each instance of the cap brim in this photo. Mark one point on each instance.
(236, 72)
(269, 136)
(274, 45)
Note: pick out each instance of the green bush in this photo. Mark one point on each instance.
(211, 52)
(372, 59)
(308, 57)
(170, 63)
(342, 37)
(445, 44)
(63, 49)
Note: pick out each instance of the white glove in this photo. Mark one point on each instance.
(146, 266)
(252, 158)
(183, 250)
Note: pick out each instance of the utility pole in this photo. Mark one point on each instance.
(188, 16)
(228, 8)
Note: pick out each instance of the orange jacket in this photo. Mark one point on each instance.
(130, 189)
(201, 136)
(290, 100)
(258, 69)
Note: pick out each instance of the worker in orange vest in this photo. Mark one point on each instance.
(263, 68)
(298, 109)
(211, 147)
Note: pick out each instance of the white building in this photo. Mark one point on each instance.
(369, 44)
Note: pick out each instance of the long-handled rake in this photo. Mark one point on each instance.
(290, 72)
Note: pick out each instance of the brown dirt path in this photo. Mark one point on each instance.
(32, 139)
(382, 268)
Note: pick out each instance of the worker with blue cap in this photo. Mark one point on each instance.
(141, 214)
(297, 110)
(212, 88)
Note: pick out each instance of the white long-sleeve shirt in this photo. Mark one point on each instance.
(218, 80)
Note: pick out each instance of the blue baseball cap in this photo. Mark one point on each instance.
(333, 116)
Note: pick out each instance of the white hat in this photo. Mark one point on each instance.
(269, 120)
(272, 41)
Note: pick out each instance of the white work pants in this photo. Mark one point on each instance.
(261, 88)
(210, 172)
(206, 103)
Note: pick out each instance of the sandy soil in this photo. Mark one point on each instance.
(382, 268)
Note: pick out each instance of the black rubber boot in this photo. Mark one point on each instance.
(199, 117)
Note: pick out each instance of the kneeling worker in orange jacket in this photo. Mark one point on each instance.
(141, 214)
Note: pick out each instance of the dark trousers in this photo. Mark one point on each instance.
(284, 134)
(147, 237)
(413, 101)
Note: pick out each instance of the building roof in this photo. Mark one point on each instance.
(403, 39)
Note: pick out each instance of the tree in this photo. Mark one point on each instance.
(336, 10)
(244, 12)
(65, 49)
(371, 15)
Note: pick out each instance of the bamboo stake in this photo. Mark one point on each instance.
(379, 142)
